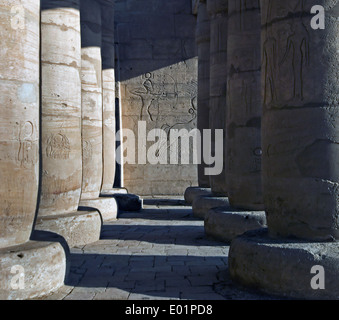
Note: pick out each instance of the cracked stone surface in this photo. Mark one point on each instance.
(161, 252)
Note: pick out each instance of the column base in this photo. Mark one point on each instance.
(43, 265)
(107, 207)
(77, 228)
(192, 192)
(225, 223)
(283, 266)
(202, 204)
(126, 201)
(114, 191)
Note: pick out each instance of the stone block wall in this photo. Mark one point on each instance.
(157, 73)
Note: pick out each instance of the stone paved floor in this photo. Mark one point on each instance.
(158, 253)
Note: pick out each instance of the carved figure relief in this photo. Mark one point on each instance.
(27, 149)
(160, 92)
(87, 149)
(293, 44)
(58, 147)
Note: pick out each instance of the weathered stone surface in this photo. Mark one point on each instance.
(300, 121)
(193, 192)
(218, 13)
(202, 204)
(127, 202)
(114, 191)
(158, 84)
(244, 106)
(77, 228)
(225, 223)
(283, 267)
(38, 266)
(61, 126)
(61, 109)
(42, 264)
(91, 99)
(203, 46)
(107, 207)
(19, 120)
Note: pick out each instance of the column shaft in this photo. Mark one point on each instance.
(218, 82)
(61, 126)
(108, 94)
(244, 106)
(300, 120)
(203, 46)
(41, 265)
(19, 121)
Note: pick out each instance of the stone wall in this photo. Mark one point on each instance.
(155, 41)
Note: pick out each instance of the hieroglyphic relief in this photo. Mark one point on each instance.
(58, 147)
(160, 92)
(27, 148)
(292, 42)
(87, 150)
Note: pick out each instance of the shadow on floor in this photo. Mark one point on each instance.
(178, 214)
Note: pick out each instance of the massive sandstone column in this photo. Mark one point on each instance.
(61, 126)
(28, 269)
(125, 201)
(244, 106)
(108, 97)
(203, 47)
(300, 92)
(92, 112)
(243, 126)
(217, 11)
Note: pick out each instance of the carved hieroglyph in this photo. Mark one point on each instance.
(61, 109)
(19, 119)
(244, 105)
(300, 120)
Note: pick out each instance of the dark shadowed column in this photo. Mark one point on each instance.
(203, 47)
(243, 124)
(244, 106)
(124, 200)
(28, 269)
(218, 22)
(92, 111)
(300, 91)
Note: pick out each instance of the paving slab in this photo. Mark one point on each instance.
(158, 253)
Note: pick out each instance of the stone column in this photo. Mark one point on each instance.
(92, 111)
(28, 269)
(108, 97)
(218, 13)
(243, 165)
(217, 10)
(203, 47)
(124, 200)
(244, 106)
(61, 126)
(300, 91)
